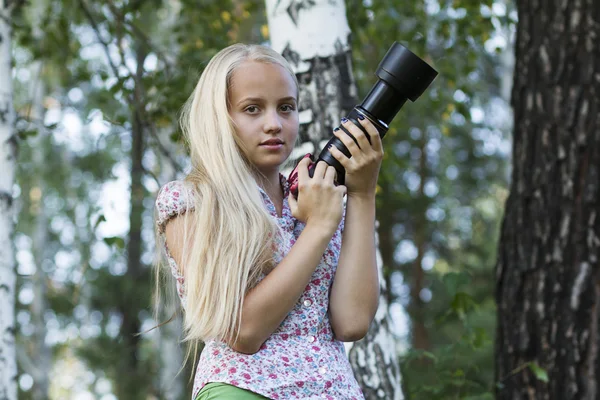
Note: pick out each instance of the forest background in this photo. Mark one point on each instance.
(87, 76)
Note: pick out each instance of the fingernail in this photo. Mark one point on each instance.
(361, 117)
(344, 120)
(336, 129)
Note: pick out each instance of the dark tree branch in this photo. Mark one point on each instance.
(96, 29)
(135, 31)
(12, 6)
(162, 148)
(132, 100)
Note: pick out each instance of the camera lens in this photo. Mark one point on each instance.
(402, 75)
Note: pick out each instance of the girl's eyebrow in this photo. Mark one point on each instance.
(288, 98)
(259, 99)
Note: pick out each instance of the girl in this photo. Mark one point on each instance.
(271, 284)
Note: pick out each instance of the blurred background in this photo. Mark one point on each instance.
(97, 89)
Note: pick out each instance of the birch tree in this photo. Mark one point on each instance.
(8, 149)
(313, 35)
(547, 274)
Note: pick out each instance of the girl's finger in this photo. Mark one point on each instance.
(330, 174)
(359, 135)
(348, 141)
(338, 155)
(320, 170)
(303, 169)
(374, 137)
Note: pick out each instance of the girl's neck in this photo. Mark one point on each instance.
(272, 187)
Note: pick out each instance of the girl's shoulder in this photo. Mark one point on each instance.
(174, 198)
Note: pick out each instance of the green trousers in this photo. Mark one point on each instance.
(223, 391)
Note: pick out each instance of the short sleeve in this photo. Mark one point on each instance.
(173, 199)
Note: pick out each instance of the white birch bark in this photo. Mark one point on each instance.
(8, 365)
(313, 36)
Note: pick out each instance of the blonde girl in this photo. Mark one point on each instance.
(271, 284)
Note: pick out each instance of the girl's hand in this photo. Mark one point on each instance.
(362, 168)
(320, 201)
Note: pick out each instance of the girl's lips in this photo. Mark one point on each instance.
(272, 146)
(271, 142)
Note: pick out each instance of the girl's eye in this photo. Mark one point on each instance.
(251, 109)
(287, 108)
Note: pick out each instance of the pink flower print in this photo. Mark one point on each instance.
(291, 349)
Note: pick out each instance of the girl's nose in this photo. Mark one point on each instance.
(272, 122)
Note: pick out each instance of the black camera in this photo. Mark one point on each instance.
(402, 75)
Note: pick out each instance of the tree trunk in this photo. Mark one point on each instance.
(313, 37)
(130, 326)
(40, 351)
(548, 282)
(8, 150)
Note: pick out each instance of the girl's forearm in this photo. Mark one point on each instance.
(268, 303)
(355, 290)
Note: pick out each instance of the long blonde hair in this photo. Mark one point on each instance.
(231, 233)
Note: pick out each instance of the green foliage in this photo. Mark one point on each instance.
(83, 46)
(442, 188)
(121, 63)
(539, 372)
(454, 370)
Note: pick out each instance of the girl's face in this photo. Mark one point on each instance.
(263, 106)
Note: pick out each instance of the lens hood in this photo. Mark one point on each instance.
(405, 71)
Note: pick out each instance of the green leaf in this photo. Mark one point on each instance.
(25, 134)
(480, 337)
(538, 371)
(99, 221)
(115, 240)
(462, 304)
(454, 280)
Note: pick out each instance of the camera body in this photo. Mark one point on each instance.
(402, 76)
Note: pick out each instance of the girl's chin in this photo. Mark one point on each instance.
(272, 164)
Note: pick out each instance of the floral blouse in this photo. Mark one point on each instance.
(301, 359)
